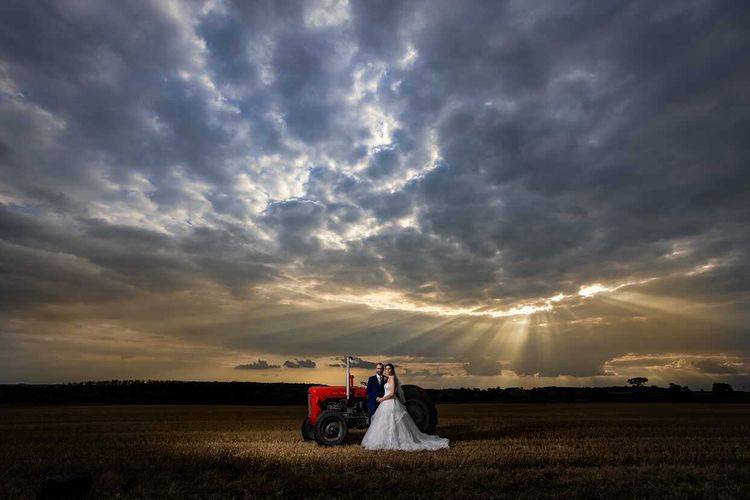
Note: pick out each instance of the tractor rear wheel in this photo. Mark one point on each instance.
(420, 412)
(307, 430)
(421, 408)
(331, 428)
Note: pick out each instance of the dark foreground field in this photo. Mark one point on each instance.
(545, 450)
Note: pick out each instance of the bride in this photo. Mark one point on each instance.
(392, 428)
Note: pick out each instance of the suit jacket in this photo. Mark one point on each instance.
(374, 389)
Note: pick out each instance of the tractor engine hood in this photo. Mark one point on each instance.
(322, 392)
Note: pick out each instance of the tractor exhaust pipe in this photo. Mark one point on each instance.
(348, 379)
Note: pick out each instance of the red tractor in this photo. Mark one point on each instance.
(332, 411)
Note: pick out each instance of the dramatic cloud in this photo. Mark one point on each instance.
(492, 192)
(261, 364)
(300, 363)
(483, 367)
(691, 363)
(355, 362)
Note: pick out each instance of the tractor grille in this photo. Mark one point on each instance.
(336, 405)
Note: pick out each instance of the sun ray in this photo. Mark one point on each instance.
(423, 342)
(671, 306)
(511, 338)
(411, 324)
(307, 334)
(568, 310)
(410, 337)
(485, 339)
(548, 338)
(459, 344)
(665, 309)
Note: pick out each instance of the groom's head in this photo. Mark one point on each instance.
(379, 368)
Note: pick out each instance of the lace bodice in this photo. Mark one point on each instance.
(387, 389)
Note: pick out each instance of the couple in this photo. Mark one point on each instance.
(391, 426)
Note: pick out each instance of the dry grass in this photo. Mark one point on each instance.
(546, 450)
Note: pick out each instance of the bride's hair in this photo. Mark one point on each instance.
(393, 372)
(399, 390)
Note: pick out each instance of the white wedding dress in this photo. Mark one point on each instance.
(392, 428)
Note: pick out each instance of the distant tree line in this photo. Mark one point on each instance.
(259, 393)
(156, 392)
(637, 393)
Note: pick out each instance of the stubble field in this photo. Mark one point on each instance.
(510, 450)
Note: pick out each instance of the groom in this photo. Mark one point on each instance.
(375, 388)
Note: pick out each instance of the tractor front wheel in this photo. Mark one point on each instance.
(307, 430)
(331, 428)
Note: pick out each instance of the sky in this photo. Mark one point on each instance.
(506, 193)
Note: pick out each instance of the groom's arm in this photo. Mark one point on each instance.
(390, 394)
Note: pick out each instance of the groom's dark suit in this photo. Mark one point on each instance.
(374, 389)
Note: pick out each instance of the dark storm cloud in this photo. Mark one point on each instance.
(110, 261)
(296, 223)
(383, 163)
(559, 152)
(465, 154)
(712, 365)
(421, 263)
(307, 66)
(300, 363)
(261, 364)
(34, 276)
(355, 362)
(112, 74)
(483, 367)
(380, 31)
